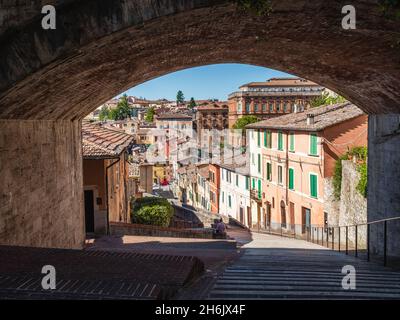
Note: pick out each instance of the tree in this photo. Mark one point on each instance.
(192, 103)
(149, 117)
(326, 99)
(121, 111)
(244, 121)
(104, 113)
(180, 98)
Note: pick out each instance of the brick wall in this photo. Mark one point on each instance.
(41, 195)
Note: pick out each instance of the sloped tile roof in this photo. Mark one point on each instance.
(324, 117)
(100, 143)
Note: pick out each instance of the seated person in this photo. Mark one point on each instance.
(221, 227)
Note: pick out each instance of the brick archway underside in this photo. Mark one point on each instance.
(101, 48)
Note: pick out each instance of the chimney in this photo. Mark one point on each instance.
(310, 119)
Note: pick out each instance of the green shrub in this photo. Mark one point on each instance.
(151, 210)
(363, 183)
(337, 176)
(361, 154)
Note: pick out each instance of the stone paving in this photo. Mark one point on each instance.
(273, 267)
(94, 274)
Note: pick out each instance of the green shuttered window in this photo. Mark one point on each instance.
(280, 141)
(313, 144)
(269, 171)
(291, 142)
(313, 186)
(291, 178)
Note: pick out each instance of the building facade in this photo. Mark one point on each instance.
(274, 97)
(235, 192)
(107, 189)
(293, 155)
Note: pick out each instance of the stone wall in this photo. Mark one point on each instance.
(41, 188)
(384, 180)
(120, 228)
(351, 209)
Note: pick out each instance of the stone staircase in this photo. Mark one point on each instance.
(302, 274)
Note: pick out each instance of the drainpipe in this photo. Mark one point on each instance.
(108, 209)
(287, 167)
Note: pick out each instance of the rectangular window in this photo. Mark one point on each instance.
(264, 107)
(237, 180)
(223, 197)
(291, 142)
(247, 183)
(313, 185)
(280, 176)
(291, 178)
(253, 183)
(256, 107)
(265, 139)
(280, 141)
(313, 144)
(247, 107)
(259, 189)
(259, 163)
(230, 201)
(258, 138)
(269, 171)
(269, 139)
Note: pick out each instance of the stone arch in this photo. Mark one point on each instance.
(102, 48)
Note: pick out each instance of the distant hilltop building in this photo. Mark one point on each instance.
(274, 97)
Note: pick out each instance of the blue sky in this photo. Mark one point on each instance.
(212, 81)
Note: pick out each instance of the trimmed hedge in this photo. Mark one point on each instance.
(151, 211)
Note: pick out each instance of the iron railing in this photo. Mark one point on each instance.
(350, 239)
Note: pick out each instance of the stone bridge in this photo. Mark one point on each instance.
(50, 79)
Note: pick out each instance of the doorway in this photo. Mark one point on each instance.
(283, 214)
(291, 214)
(89, 211)
(249, 217)
(268, 214)
(305, 219)
(241, 215)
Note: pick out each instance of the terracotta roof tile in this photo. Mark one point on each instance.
(99, 142)
(324, 117)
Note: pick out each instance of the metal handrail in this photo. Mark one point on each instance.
(315, 234)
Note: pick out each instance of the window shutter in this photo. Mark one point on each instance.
(265, 139)
(292, 141)
(313, 186)
(313, 144)
(280, 141)
(291, 178)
